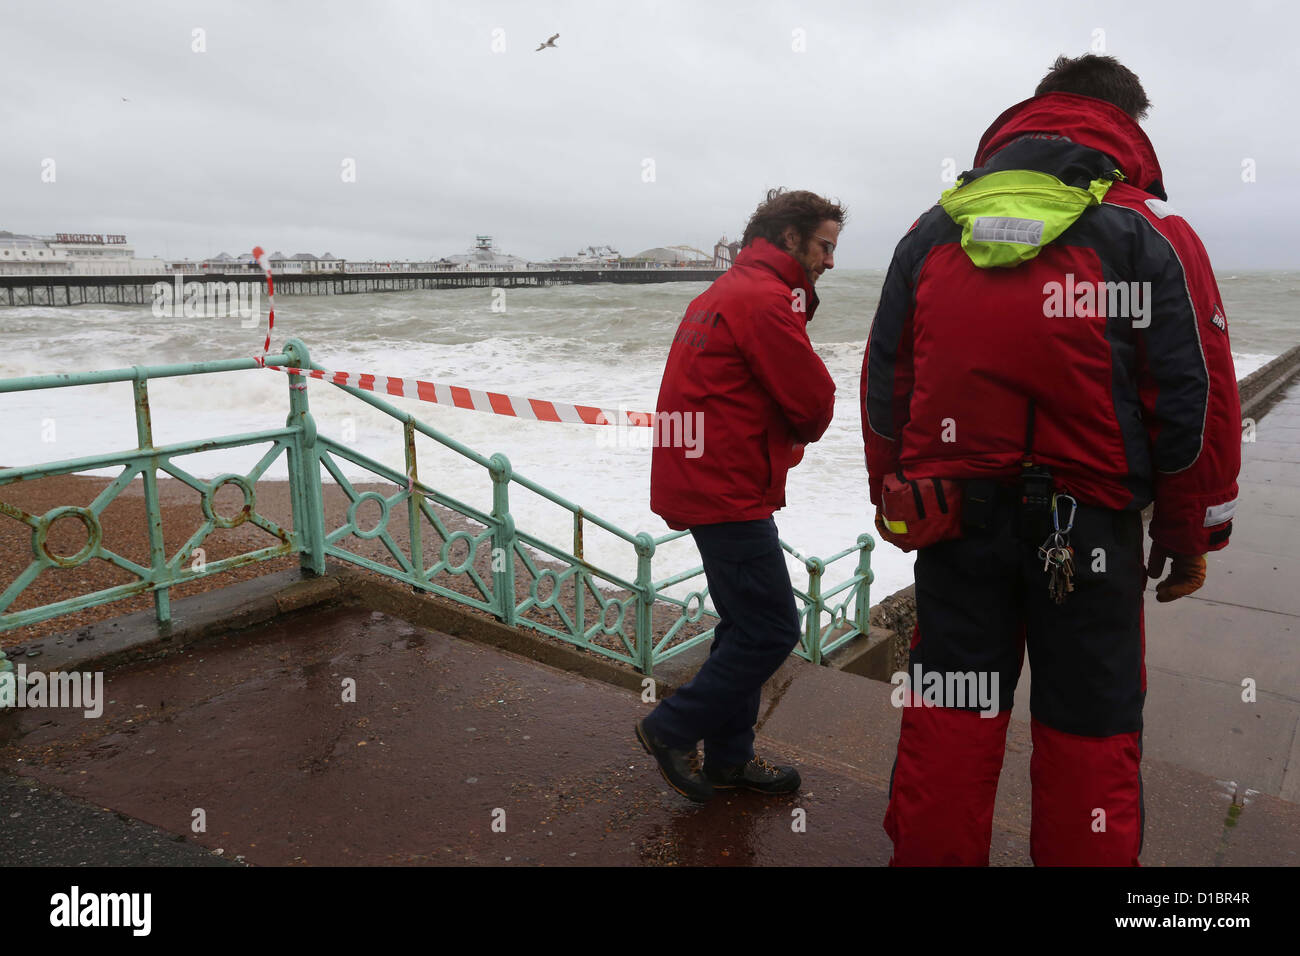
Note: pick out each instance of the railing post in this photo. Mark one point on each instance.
(152, 510)
(862, 609)
(503, 539)
(645, 599)
(813, 626)
(304, 468)
(579, 578)
(8, 684)
(413, 500)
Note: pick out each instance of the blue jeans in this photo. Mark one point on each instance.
(758, 627)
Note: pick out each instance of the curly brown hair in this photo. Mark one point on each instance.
(799, 208)
(1101, 77)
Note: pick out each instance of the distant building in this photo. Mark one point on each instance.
(298, 262)
(390, 266)
(669, 257)
(28, 255)
(72, 254)
(482, 256)
(306, 262)
(220, 264)
(592, 257)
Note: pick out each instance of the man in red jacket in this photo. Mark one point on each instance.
(743, 365)
(1050, 335)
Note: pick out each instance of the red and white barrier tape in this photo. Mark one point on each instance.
(496, 403)
(259, 254)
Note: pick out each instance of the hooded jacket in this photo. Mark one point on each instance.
(743, 369)
(1053, 307)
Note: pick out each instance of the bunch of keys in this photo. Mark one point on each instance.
(1057, 555)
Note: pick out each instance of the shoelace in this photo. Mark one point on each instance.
(695, 762)
(764, 766)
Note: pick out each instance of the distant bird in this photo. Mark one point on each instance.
(550, 42)
(125, 100)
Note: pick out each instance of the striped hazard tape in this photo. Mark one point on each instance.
(457, 396)
(496, 403)
(260, 255)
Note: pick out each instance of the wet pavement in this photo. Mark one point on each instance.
(459, 753)
(451, 753)
(43, 827)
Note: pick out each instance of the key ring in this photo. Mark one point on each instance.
(1056, 520)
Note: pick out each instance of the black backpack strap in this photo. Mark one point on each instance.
(1029, 433)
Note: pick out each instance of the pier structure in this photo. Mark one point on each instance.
(63, 290)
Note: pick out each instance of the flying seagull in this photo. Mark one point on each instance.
(550, 42)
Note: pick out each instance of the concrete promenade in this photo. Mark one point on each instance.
(448, 737)
(1242, 626)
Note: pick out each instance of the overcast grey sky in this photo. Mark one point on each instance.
(245, 143)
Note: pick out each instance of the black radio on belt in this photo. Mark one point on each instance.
(1034, 515)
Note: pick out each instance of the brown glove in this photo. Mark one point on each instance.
(1186, 576)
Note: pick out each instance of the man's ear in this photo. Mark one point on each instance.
(790, 239)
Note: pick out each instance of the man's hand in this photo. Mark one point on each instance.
(1186, 576)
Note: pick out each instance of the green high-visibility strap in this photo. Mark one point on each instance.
(1022, 195)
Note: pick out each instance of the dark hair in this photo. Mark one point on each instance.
(800, 208)
(1102, 77)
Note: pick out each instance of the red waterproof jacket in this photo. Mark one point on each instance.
(743, 367)
(1128, 404)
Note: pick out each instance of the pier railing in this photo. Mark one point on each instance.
(68, 290)
(476, 558)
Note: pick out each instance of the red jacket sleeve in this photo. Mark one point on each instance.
(776, 347)
(1188, 390)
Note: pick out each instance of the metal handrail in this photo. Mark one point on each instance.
(307, 451)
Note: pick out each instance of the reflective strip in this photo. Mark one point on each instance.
(1217, 514)
(1162, 208)
(1025, 232)
(896, 527)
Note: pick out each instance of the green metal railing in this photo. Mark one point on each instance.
(593, 619)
